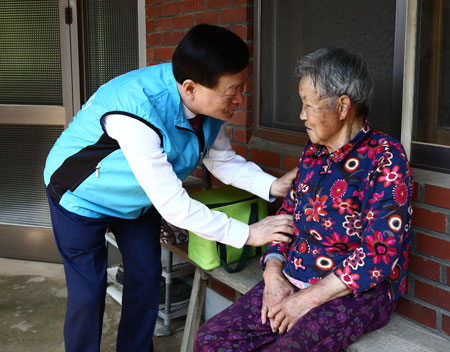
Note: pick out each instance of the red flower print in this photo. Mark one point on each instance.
(309, 175)
(353, 224)
(317, 209)
(298, 264)
(328, 223)
(376, 197)
(403, 286)
(338, 189)
(373, 148)
(355, 259)
(313, 280)
(346, 206)
(303, 247)
(360, 194)
(376, 274)
(316, 251)
(391, 176)
(348, 278)
(336, 243)
(371, 215)
(401, 194)
(308, 159)
(380, 248)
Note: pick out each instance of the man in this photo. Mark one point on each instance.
(120, 165)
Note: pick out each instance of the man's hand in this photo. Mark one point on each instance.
(281, 186)
(276, 288)
(270, 229)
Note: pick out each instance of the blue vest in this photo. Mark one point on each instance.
(86, 171)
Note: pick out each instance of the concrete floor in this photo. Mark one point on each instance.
(32, 307)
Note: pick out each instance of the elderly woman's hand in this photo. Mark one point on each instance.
(276, 288)
(285, 314)
(290, 310)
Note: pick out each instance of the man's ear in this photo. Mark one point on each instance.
(344, 105)
(189, 89)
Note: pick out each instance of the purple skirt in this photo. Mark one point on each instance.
(329, 327)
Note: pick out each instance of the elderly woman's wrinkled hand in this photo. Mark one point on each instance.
(276, 289)
(289, 311)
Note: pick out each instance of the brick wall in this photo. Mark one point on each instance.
(168, 20)
(428, 298)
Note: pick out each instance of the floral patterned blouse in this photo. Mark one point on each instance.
(351, 214)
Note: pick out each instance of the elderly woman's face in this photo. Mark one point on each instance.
(322, 124)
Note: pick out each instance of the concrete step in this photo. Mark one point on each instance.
(401, 335)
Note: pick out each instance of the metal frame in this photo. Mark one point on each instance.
(47, 115)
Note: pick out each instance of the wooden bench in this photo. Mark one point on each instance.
(400, 335)
(242, 282)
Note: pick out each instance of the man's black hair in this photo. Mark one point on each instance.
(208, 52)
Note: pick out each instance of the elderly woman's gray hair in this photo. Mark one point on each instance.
(335, 72)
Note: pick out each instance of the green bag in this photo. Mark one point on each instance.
(237, 204)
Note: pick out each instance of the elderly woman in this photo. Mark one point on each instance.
(350, 202)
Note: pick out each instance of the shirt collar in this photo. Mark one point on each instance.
(188, 113)
(319, 150)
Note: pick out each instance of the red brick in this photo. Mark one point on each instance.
(154, 39)
(150, 54)
(289, 162)
(230, 132)
(425, 267)
(243, 31)
(242, 136)
(238, 2)
(163, 24)
(183, 21)
(241, 118)
(432, 294)
(219, 3)
(154, 11)
(448, 275)
(415, 195)
(193, 5)
(446, 324)
(239, 149)
(149, 26)
(222, 289)
(433, 246)
(265, 157)
(246, 102)
(417, 312)
(238, 14)
(172, 37)
(163, 53)
(174, 8)
(210, 17)
(429, 219)
(438, 196)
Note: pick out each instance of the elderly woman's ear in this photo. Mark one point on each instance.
(344, 107)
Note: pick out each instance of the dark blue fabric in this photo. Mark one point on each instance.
(81, 242)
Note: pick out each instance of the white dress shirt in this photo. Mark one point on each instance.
(141, 147)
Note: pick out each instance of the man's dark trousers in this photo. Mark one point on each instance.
(81, 243)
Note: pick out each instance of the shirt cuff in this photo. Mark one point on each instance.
(275, 256)
(261, 186)
(237, 234)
